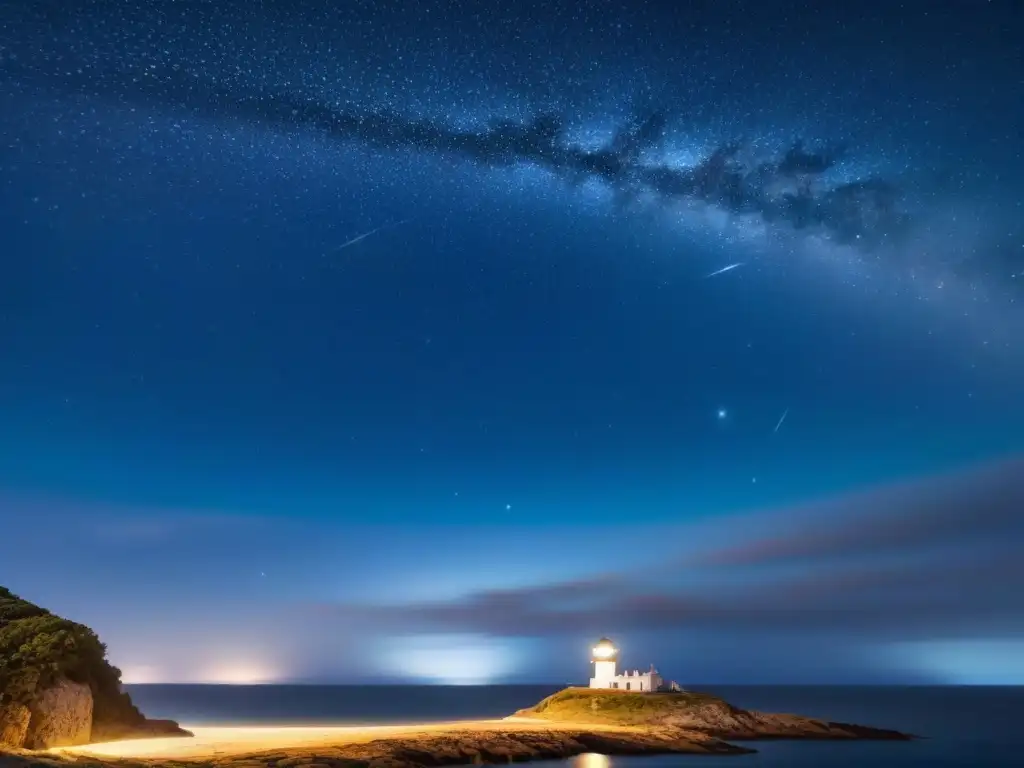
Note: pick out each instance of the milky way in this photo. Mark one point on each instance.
(201, 60)
(786, 189)
(829, 180)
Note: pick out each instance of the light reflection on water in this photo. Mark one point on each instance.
(591, 760)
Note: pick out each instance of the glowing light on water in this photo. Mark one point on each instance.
(591, 760)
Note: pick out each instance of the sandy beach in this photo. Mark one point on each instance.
(226, 741)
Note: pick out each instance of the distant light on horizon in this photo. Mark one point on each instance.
(449, 659)
(142, 675)
(240, 674)
(964, 662)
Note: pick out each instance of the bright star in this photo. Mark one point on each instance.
(722, 413)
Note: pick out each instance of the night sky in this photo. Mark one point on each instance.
(430, 341)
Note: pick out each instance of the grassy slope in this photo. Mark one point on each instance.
(587, 705)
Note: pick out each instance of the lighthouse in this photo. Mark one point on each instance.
(605, 655)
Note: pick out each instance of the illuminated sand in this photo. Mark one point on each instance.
(237, 740)
(427, 745)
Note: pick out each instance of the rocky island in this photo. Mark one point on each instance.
(58, 693)
(689, 713)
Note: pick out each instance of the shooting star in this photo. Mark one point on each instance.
(360, 238)
(785, 413)
(724, 269)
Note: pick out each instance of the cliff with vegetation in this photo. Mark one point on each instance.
(691, 713)
(57, 687)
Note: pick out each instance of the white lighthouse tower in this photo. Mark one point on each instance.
(604, 656)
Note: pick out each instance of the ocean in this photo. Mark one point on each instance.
(981, 727)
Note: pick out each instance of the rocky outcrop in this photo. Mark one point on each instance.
(61, 716)
(57, 687)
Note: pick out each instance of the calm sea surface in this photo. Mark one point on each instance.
(980, 727)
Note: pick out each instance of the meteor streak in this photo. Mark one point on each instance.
(360, 238)
(724, 269)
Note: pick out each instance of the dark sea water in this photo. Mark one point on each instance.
(964, 726)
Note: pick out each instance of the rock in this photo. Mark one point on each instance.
(14, 725)
(61, 716)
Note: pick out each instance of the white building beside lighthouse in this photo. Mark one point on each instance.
(605, 658)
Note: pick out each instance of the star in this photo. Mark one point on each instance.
(722, 413)
(508, 507)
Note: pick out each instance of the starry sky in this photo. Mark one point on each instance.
(430, 341)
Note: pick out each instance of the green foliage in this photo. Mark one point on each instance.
(13, 607)
(37, 647)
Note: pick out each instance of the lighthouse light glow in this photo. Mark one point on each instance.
(604, 651)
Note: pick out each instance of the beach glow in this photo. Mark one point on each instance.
(220, 741)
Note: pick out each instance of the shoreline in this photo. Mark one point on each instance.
(573, 722)
(428, 745)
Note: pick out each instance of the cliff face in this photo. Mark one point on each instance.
(14, 724)
(57, 687)
(61, 716)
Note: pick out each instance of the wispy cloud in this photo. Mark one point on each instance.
(116, 524)
(958, 509)
(924, 559)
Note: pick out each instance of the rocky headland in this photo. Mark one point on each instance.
(57, 688)
(689, 712)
